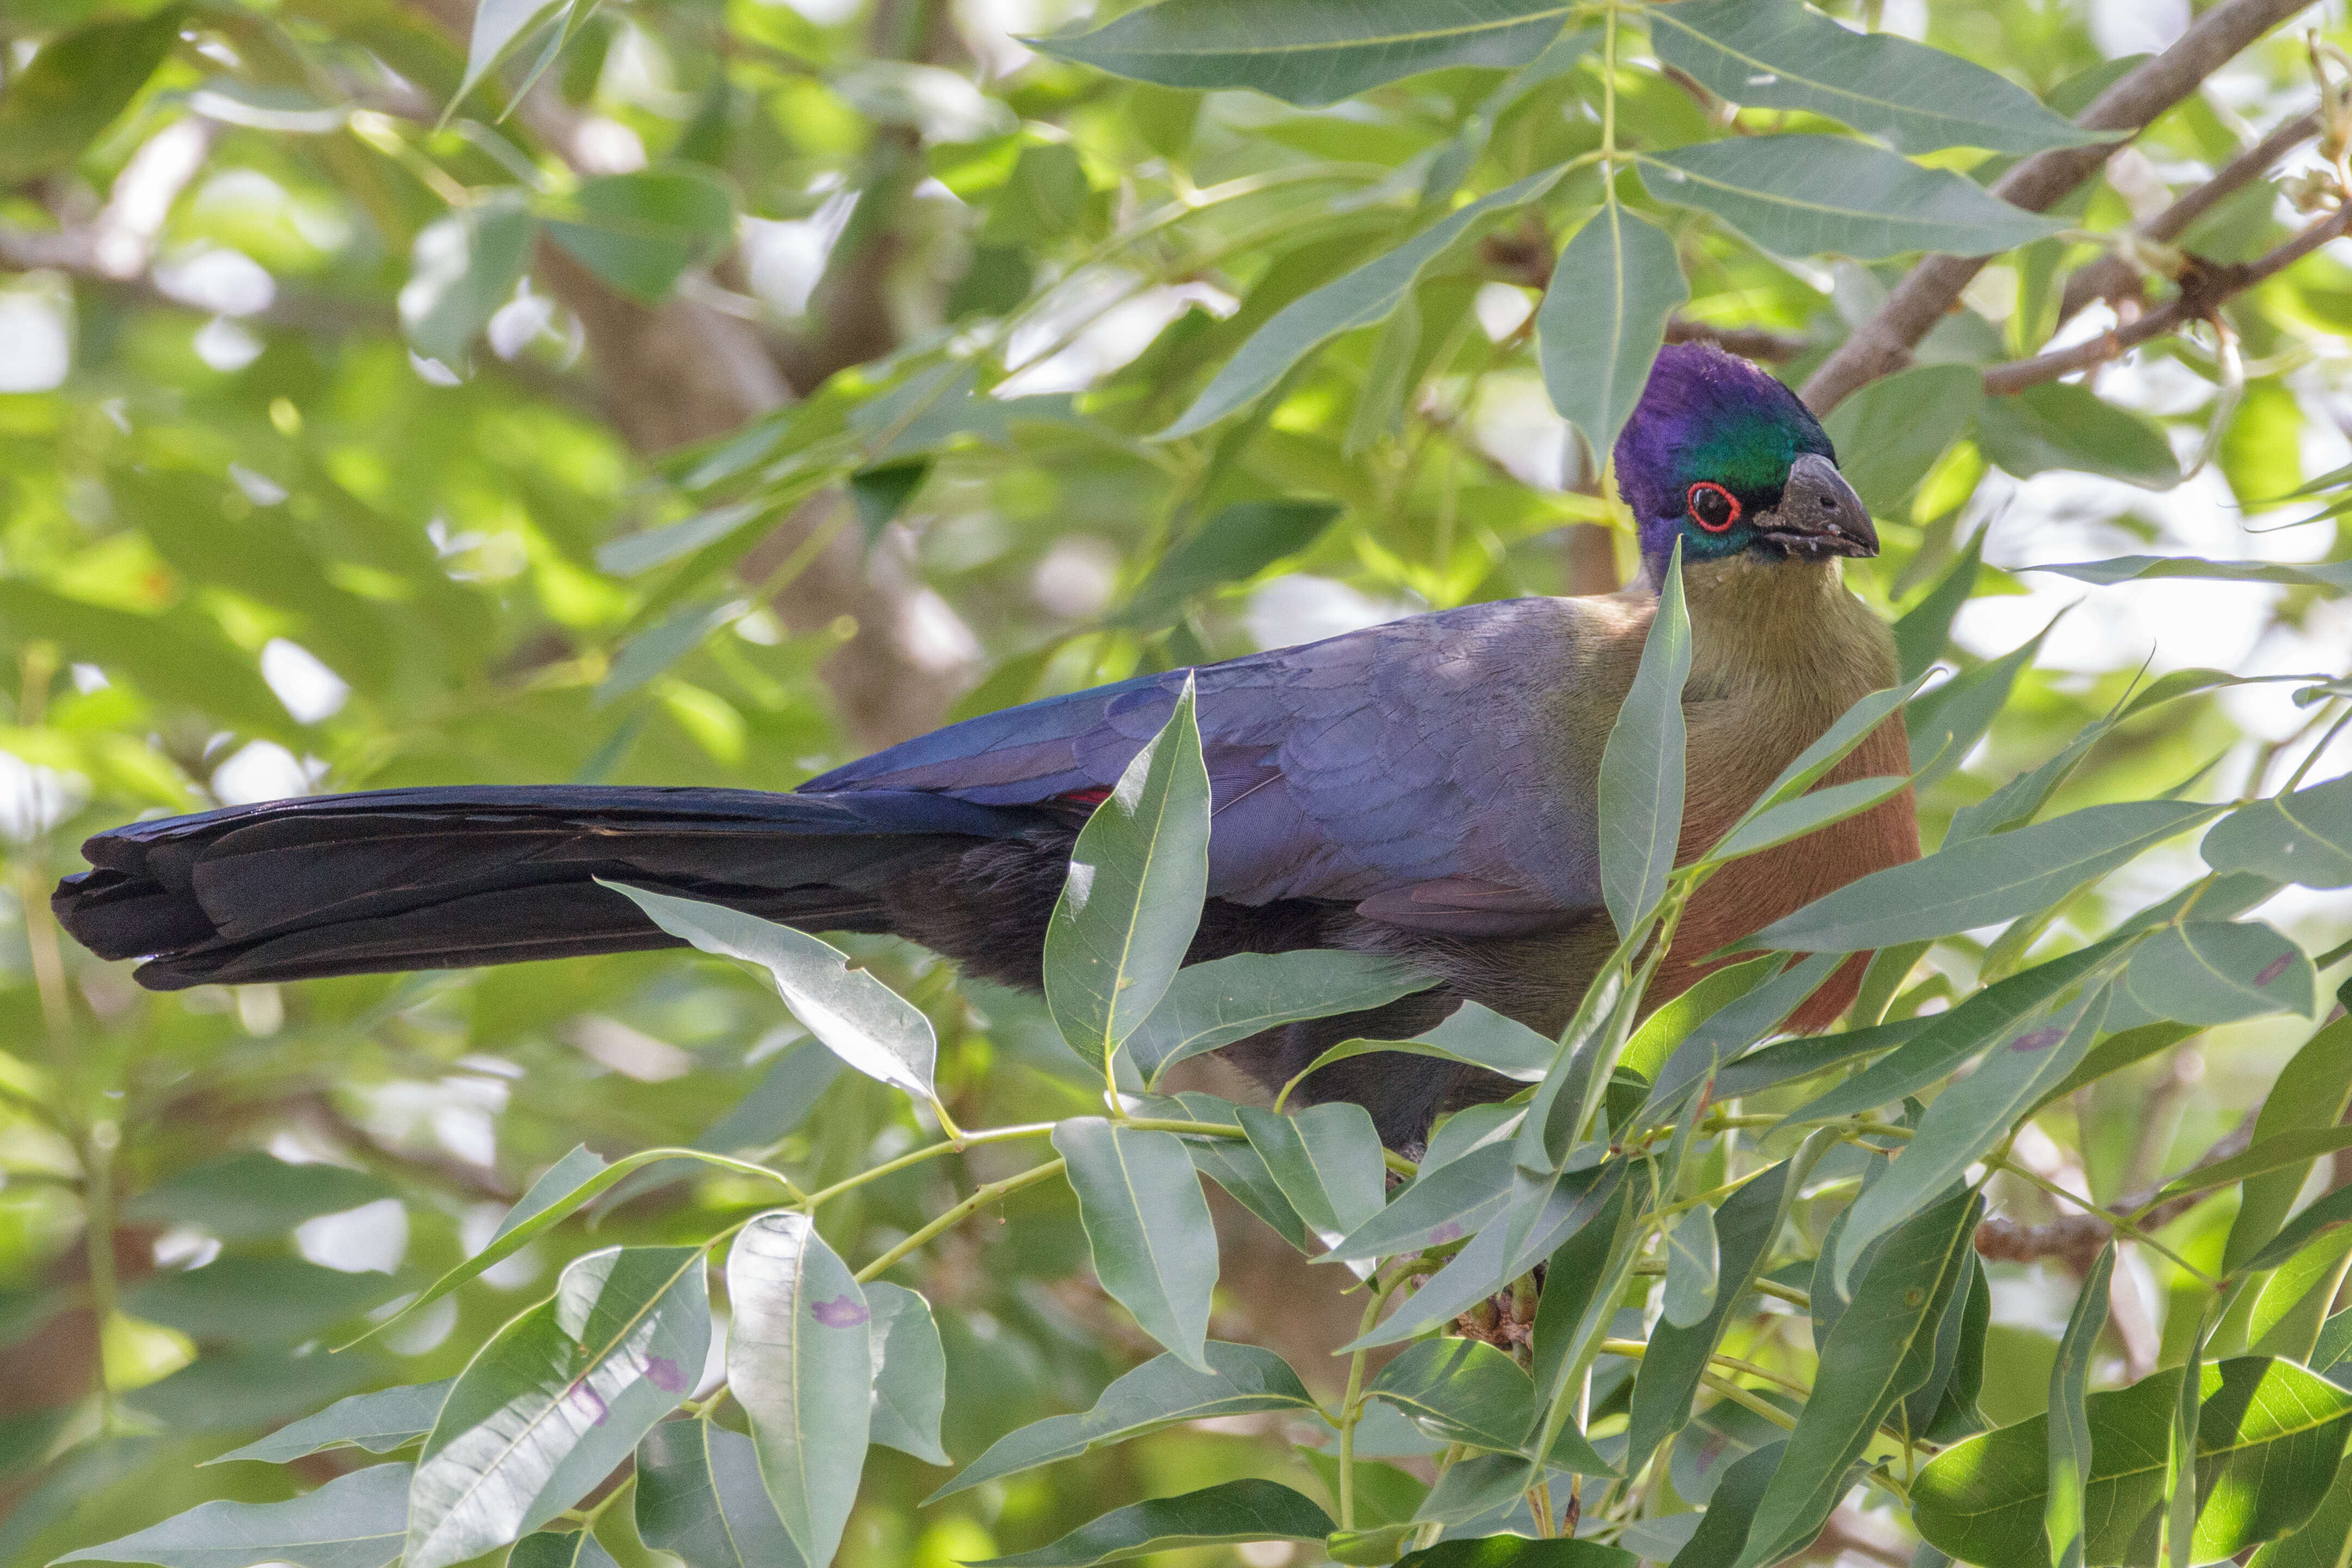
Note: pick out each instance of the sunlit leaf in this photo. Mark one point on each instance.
(77, 83)
(380, 1422)
(557, 1398)
(463, 268)
(800, 1361)
(1642, 766)
(1806, 195)
(638, 232)
(1924, 629)
(1148, 1226)
(2310, 1092)
(2059, 424)
(2063, 1519)
(1603, 318)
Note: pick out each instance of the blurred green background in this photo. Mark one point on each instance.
(322, 468)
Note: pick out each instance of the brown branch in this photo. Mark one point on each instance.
(1748, 342)
(2114, 278)
(2077, 1238)
(2205, 287)
(1883, 343)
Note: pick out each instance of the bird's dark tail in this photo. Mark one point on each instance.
(420, 879)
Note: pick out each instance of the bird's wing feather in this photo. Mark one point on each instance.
(1423, 765)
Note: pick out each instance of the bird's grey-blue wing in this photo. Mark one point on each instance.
(1414, 769)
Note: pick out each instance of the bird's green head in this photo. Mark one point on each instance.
(1725, 459)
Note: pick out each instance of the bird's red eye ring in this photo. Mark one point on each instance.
(1712, 507)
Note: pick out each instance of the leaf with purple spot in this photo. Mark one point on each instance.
(2220, 971)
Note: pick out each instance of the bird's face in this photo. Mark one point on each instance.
(1723, 457)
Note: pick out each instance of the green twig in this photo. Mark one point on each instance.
(980, 1197)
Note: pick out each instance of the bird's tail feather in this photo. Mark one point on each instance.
(413, 879)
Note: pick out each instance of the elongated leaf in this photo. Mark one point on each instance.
(380, 1422)
(2269, 1436)
(1147, 1226)
(1881, 1348)
(1239, 542)
(1693, 1259)
(1806, 195)
(2335, 575)
(560, 1549)
(1967, 1119)
(555, 1186)
(2218, 971)
(2062, 1518)
(462, 269)
(1853, 727)
(1310, 52)
(1983, 881)
(1137, 875)
(1470, 1033)
(2324, 1215)
(1806, 814)
(1722, 1535)
(1242, 1379)
(795, 1082)
(1461, 1390)
(1230, 1511)
(1739, 1024)
(1924, 629)
(1647, 1051)
(640, 231)
(1935, 1052)
(251, 1195)
(76, 85)
(2295, 1149)
(255, 1300)
(1604, 318)
(1669, 1375)
(498, 26)
(357, 1521)
(1801, 1058)
(699, 1495)
(2060, 425)
(1642, 766)
(557, 1398)
(1517, 1551)
(1442, 1205)
(1889, 436)
(910, 1372)
(1946, 723)
(799, 1360)
(1241, 1171)
(2309, 1092)
(2304, 838)
(859, 1019)
(1776, 54)
(2326, 1539)
(1326, 1160)
(1208, 1006)
(1361, 298)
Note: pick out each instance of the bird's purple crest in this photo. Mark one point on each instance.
(1712, 450)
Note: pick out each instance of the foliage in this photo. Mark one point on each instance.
(397, 395)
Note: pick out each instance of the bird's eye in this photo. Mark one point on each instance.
(1712, 507)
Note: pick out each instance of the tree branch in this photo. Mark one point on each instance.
(2113, 278)
(2204, 288)
(2077, 1238)
(1883, 343)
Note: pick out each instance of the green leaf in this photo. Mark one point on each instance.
(1883, 1347)
(557, 1398)
(799, 1360)
(1210, 1006)
(2269, 1436)
(1806, 814)
(2218, 971)
(1669, 1376)
(1234, 545)
(2335, 575)
(248, 1196)
(1440, 1206)
(881, 493)
(356, 1520)
(498, 25)
(858, 1018)
(910, 1372)
(1653, 1044)
(796, 1080)
(1806, 195)
(462, 269)
(1642, 766)
(1471, 1033)
(2326, 1539)
(1993, 1015)
(1982, 881)
(1242, 1379)
(251, 1301)
(639, 232)
(1603, 318)
(1146, 1227)
(2305, 838)
(1692, 1261)
(2059, 424)
(1517, 1551)
(1965, 1120)
(380, 1422)
(1889, 433)
(1326, 1160)
(2324, 1215)
(699, 1495)
(1361, 298)
(1309, 52)
(75, 86)
(1231, 1512)
(1241, 1171)
(1137, 875)
(560, 1549)
(579, 1165)
(1460, 1390)
(1802, 1057)
(1776, 54)
(2062, 1517)
(2310, 1092)
(1924, 629)
(1946, 723)
(1724, 1034)
(1722, 1535)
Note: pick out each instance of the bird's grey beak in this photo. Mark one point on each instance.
(1818, 515)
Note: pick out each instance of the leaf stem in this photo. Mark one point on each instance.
(2122, 1224)
(929, 1151)
(1351, 1405)
(980, 1197)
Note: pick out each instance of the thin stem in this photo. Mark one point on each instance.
(929, 1152)
(2122, 1224)
(980, 1198)
(1352, 1403)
